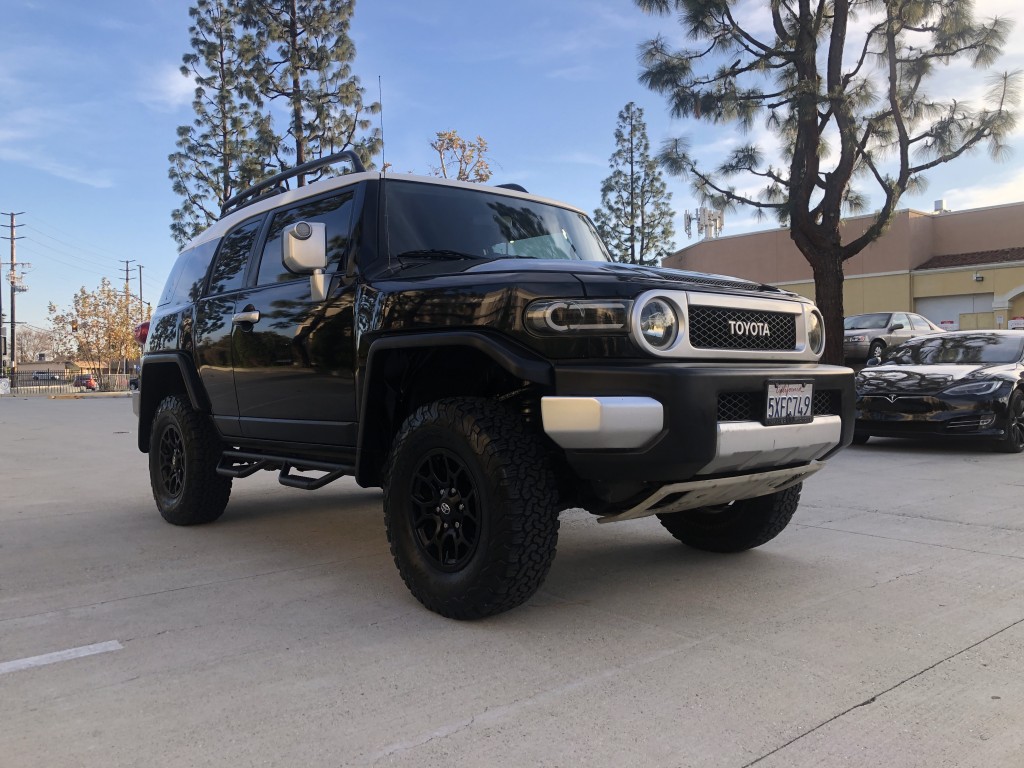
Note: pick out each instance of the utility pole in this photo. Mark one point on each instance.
(142, 304)
(14, 283)
(127, 306)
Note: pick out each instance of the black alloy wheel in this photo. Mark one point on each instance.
(171, 460)
(184, 450)
(470, 508)
(445, 510)
(1013, 442)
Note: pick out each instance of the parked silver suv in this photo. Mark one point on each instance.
(866, 336)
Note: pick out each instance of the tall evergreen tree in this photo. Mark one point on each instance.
(635, 219)
(220, 152)
(299, 53)
(841, 84)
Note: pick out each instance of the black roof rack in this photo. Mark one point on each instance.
(257, 191)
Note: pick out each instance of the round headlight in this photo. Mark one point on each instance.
(816, 333)
(658, 323)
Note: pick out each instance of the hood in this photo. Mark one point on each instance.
(923, 379)
(599, 276)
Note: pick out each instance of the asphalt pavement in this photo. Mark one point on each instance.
(884, 627)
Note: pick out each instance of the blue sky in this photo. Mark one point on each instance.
(90, 98)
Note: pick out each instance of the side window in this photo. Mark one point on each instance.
(185, 282)
(900, 317)
(918, 323)
(229, 267)
(335, 212)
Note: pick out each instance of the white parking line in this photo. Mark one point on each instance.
(52, 658)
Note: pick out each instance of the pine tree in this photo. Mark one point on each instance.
(841, 84)
(300, 55)
(635, 219)
(220, 152)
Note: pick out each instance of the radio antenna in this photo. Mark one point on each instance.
(380, 117)
(383, 172)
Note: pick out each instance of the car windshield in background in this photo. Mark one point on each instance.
(874, 320)
(952, 350)
(427, 221)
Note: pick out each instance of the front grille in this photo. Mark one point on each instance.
(907, 404)
(750, 406)
(718, 328)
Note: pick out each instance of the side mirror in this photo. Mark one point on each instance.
(896, 327)
(304, 251)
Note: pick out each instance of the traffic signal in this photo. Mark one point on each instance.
(74, 326)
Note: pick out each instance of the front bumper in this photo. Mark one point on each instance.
(670, 423)
(926, 415)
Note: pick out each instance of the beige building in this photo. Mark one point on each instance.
(962, 269)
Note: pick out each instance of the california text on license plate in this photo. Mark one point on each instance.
(789, 402)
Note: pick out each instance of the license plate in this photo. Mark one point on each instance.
(789, 402)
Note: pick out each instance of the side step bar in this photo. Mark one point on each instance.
(243, 464)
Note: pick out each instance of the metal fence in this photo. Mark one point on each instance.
(64, 383)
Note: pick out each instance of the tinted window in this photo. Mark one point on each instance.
(873, 320)
(435, 221)
(185, 283)
(335, 212)
(229, 268)
(949, 349)
(918, 323)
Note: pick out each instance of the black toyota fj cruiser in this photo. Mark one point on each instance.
(474, 351)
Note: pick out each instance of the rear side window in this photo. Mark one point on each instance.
(185, 283)
(919, 323)
(232, 256)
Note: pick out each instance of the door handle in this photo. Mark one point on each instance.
(249, 316)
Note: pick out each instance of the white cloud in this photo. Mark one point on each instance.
(1009, 190)
(98, 179)
(166, 89)
(575, 73)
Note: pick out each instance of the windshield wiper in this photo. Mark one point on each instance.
(437, 253)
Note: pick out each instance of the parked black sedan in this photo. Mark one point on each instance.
(966, 383)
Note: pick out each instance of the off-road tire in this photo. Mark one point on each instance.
(734, 527)
(184, 450)
(502, 517)
(1014, 440)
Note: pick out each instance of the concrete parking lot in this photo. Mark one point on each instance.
(884, 627)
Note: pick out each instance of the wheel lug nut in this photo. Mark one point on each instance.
(458, 525)
(446, 525)
(453, 491)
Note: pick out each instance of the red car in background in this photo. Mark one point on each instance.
(86, 380)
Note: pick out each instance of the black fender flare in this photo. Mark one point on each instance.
(153, 389)
(372, 440)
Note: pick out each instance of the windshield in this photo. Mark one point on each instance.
(975, 348)
(874, 320)
(432, 221)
